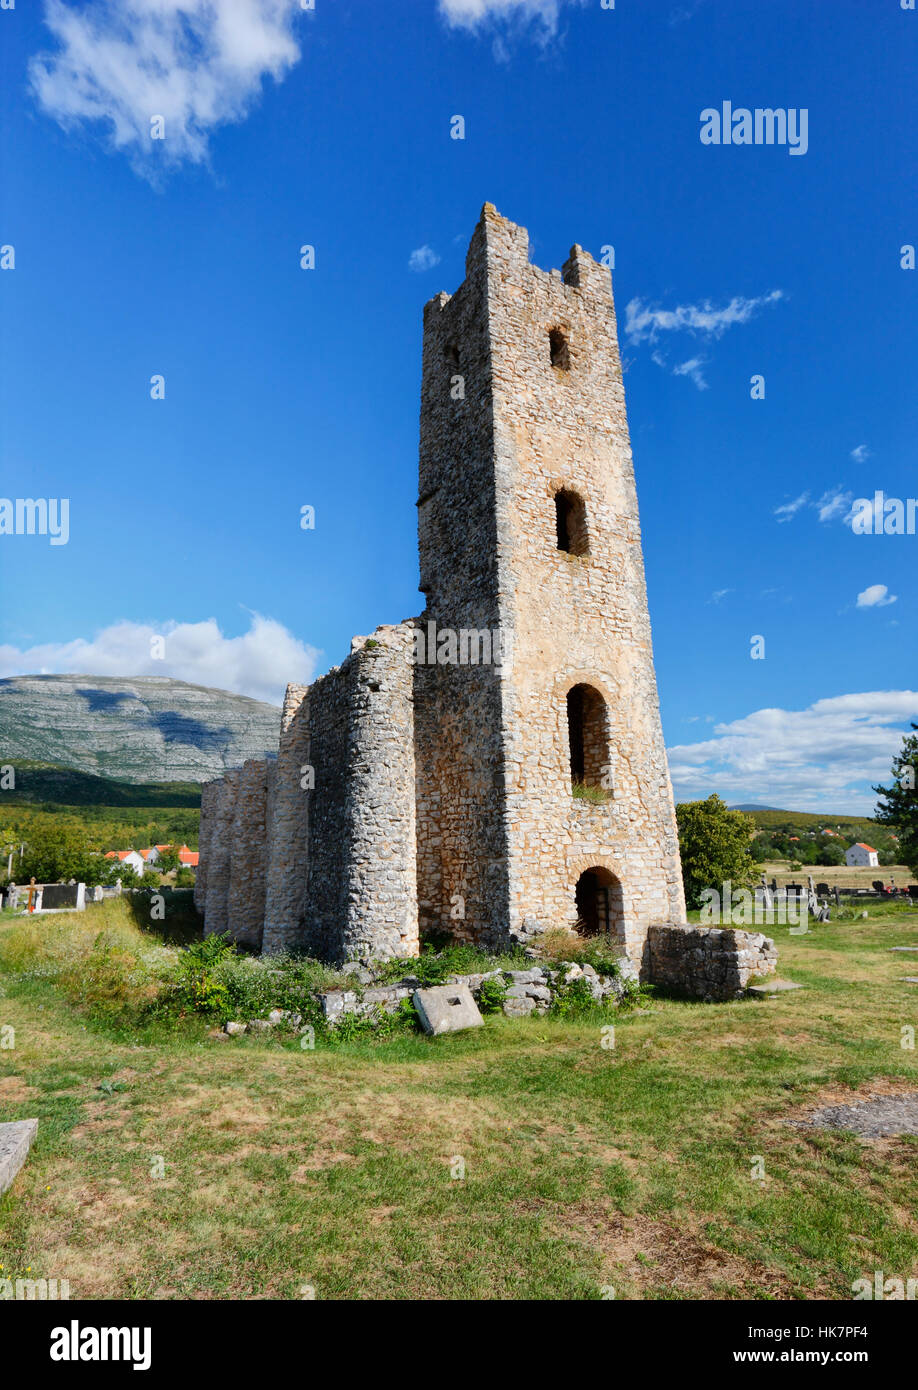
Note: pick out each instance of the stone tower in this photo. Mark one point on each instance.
(495, 766)
(543, 793)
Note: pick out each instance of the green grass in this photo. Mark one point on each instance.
(584, 1166)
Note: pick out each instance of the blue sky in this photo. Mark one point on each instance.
(286, 387)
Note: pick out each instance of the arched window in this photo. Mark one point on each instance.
(588, 740)
(570, 522)
(600, 904)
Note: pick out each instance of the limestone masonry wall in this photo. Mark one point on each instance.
(245, 904)
(707, 962)
(288, 828)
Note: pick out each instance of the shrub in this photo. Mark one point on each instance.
(376, 1023)
(491, 995)
(433, 967)
(573, 998)
(199, 986)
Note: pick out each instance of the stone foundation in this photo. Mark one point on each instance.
(710, 963)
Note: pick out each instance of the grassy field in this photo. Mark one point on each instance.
(586, 1167)
(843, 876)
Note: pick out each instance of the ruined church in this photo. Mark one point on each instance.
(495, 766)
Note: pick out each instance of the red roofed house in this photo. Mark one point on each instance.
(861, 856)
(130, 857)
(188, 857)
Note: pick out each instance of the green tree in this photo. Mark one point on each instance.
(830, 854)
(55, 854)
(898, 804)
(714, 843)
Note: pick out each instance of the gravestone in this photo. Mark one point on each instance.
(15, 1142)
(63, 895)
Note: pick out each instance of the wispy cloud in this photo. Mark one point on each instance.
(424, 258)
(824, 757)
(719, 594)
(645, 323)
(837, 504)
(259, 663)
(788, 510)
(860, 454)
(197, 64)
(475, 15)
(693, 369)
(876, 596)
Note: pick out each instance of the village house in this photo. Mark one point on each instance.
(129, 858)
(861, 856)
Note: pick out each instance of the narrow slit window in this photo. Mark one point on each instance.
(559, 349)
(570, 523)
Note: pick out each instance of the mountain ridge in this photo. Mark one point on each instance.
(133, 728)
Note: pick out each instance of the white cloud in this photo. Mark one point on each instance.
(788, 510)
(835, 505)
(693, 368)
(875, 596)
(823, 758)
(424, 258)
(258, 663)
(860, 454)
(474, 15)
(718, 594)
(643, 323)
(198, 64)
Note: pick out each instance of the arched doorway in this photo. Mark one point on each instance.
(600, 904)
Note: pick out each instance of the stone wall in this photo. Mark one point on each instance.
(288, 828)
(463, 881)
(361, 890)
(209, 793)
(245, 908)
(220, 842)
(505, 822)
(711, 963)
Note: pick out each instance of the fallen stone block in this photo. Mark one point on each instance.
(525, 977)
(447, 1009)
(772, 987)
(235, 1028)
(518, 1005)
(336, 1002)
(15, 1142)
(541, 993)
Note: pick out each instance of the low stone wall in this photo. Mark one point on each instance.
(710, 963)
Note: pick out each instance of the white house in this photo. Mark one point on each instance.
(130, 857)
(861, 856)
